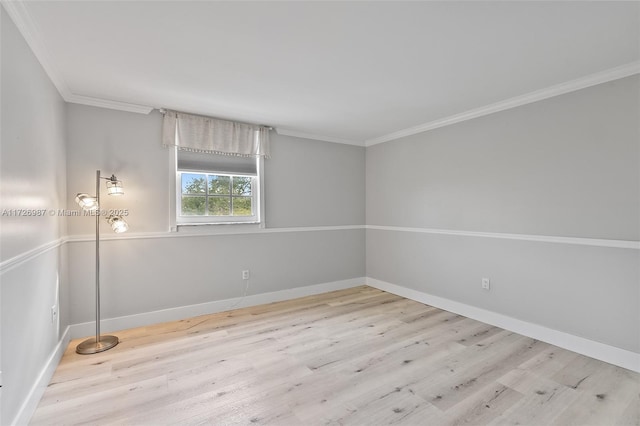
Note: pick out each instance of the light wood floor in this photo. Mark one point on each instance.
(354, 357)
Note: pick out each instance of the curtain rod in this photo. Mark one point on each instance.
(164, 111)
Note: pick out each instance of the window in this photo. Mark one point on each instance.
(217, 196)
(216, 189)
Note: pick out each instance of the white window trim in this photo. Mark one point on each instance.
(205, 225)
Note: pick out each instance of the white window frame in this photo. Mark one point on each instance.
(257, 191)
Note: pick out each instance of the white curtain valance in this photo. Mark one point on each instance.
(211, 135)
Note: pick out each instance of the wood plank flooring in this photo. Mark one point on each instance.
(352, 357)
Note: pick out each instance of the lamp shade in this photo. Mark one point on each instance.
(87, 202)
(118, 224)
(114, 186)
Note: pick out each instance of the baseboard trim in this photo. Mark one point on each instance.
(44, 378)
(612, 355)
(173, 314)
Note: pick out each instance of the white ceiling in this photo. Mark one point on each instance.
(356, 72)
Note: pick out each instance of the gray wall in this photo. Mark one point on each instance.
(144, 275)
(567, 166)
(312, 183)
(32, 176)
(307, 184)
(127, 145)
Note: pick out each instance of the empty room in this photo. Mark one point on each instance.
(320, 212)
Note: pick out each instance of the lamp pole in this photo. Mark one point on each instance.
(98, 257)
(98, 343)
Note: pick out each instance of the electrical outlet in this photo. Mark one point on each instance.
(54, 314)
(486, 284)
(245, 274)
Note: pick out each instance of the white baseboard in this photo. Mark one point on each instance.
(37, 390)
(182, 312)
(611, 354)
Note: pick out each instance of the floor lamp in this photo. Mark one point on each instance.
(92, 203)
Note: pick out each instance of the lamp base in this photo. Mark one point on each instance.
(90, 346)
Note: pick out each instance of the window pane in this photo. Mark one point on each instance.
(241, 185)
(219, 206)
(193, 183)
(193, 206)
(219, 184)
(242, 206)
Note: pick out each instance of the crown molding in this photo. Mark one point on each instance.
(538, 95)
(17, 10)
(19, 14)
(106, 103)
(295, 133)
